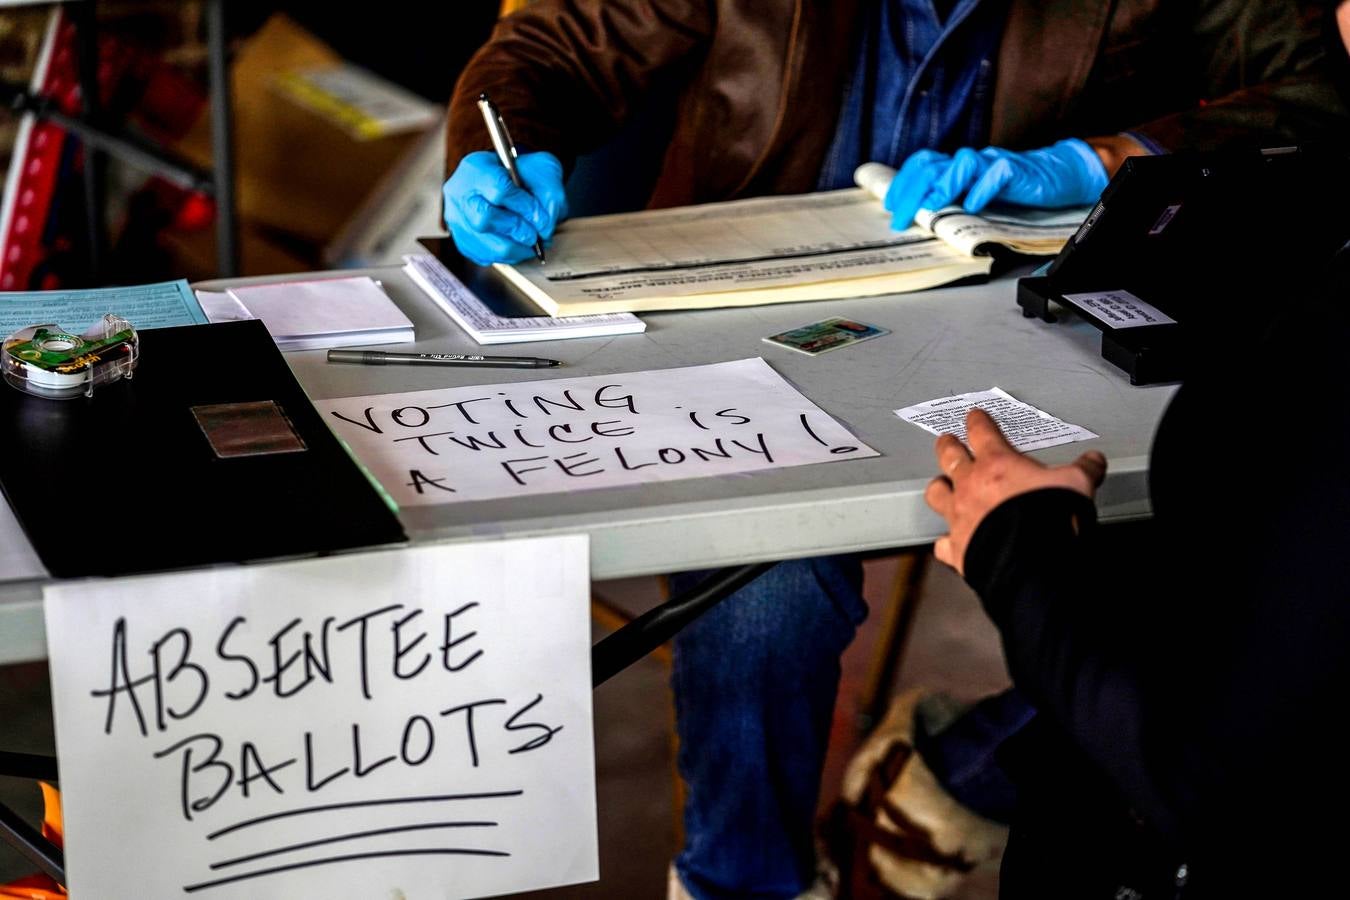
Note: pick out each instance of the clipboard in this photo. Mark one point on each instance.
(210, 453)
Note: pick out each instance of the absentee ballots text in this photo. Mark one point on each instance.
(411, 724)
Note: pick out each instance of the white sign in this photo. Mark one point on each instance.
(540, 437)
(404, 724)
(1120, 309)
(1025, 426)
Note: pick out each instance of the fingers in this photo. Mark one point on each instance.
(965, 167)
(951, 454)
(939, 496)
(995, 178)
(984, 436)
(1093, 465)
(946, 553)
(911, 184)
(490, 218)
(543, 176)
(486, 249)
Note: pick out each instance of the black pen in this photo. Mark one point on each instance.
(506, 150)
(381, 358)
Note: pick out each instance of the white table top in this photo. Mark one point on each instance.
(942, 342)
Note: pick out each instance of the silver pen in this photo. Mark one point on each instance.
(381, 358)
(506, 151)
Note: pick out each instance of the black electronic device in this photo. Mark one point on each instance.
(1188, 242)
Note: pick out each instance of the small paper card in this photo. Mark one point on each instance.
(1025, 426)
(827, 334)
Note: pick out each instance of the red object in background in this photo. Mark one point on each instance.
(42, 215)
(32, 181)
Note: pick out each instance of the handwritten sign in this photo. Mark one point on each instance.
(406, 724)
(569, 434)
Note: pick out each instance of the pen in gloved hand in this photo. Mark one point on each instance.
(506, 151)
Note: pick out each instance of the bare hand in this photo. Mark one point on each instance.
(977, 480)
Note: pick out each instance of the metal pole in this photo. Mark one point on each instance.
(222, 142)
(95, 162)
(653, 628)
(30, 842)
(28, 765)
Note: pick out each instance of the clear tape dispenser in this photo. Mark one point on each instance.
(48, 361)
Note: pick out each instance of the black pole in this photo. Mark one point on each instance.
(222, 142)
(30, 842)
(95, 162)
(28, 765)
(654, 627)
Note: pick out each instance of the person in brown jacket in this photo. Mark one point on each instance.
(787, 96)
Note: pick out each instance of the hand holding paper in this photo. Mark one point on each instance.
(975, 481)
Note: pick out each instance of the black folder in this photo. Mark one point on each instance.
(211, 453)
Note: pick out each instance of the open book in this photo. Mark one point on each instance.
(820, 246)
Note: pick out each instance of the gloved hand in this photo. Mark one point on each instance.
(1067, 173)
(490, 218)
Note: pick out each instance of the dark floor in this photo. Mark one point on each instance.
(952, 647)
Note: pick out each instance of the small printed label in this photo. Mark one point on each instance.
(1119, 309)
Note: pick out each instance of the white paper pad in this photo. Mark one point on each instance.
(331, 312)
(1025, 426)
(572, 434)
(411, 723)
(486, 327)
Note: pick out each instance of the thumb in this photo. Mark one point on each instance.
(1093, 465)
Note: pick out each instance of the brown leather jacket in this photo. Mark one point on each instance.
(759, 82)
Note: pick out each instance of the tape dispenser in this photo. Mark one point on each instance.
(48, 361)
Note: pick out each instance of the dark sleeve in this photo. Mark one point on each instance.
(1267, 79)
(1032, 562)
(566, 73)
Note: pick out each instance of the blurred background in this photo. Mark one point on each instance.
(337, 119)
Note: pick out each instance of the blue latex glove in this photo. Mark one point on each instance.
(1067, 173)
(490, 218)
(911, 184)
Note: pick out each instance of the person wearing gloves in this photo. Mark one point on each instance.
(789, 96)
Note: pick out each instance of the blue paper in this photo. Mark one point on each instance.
(143, 305)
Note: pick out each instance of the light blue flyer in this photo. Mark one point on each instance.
(143, 305)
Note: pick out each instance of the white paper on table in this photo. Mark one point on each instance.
(329, 312)
(570, 434)
(1120, 309)
(220, 306)
(412, 723)
(1025, 426)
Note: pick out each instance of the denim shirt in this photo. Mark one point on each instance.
(921, 80)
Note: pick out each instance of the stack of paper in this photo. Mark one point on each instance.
(305, 315)
(486, 327)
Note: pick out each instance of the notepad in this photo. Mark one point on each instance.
(333, 312)
(487, 327)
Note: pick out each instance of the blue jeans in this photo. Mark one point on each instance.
(755, 680)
